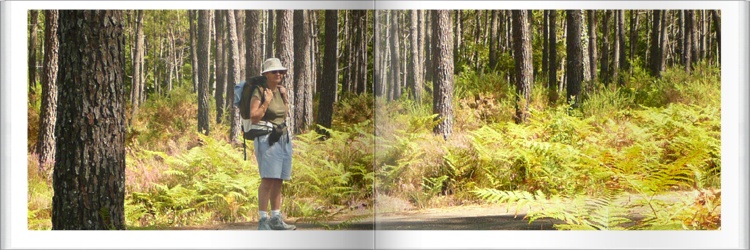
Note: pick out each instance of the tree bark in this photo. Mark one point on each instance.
(233, 70)
(270, 34)
(591, 15)
(443, 73)
(330, 71)
(34, 20)
(239, 17)
(221, 67)
(552, 64)
(495, 42)
(415, 76)
(574, 50)
(138, 62)
(655, 50)
(717, 27)
(616, 48)
(524, 68)
(621, 37)
(48, 113)
(204, 35)
(194, 48)
(89, 174)
(302, 73)
(285, 53)
(395, 57)
(604, 71)
(633, 36)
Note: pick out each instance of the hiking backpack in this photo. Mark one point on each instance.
(242, 94)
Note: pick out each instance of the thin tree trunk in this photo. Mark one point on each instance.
(270, 34)
(34, 20)
(415, 77)
(285, 53)
(193, 48)
(204, 38)
(221, 67)
(552, 64)
(591, 14)
(330, 71)
(443, 84)
(574, 59)
(395, 57)
(138, 62)
(524, 68)
(302, 74)
(48, 113)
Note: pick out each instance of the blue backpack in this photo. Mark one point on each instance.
(243, 93)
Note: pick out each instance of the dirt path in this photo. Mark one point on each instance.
(472, 217)
(465, 217)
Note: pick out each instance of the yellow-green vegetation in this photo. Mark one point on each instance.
(646, 155)
(178, 177)
(647, 139)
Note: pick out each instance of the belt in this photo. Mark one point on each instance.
(262, 125)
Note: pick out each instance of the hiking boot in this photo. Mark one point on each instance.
(276, 223)
(263, 224)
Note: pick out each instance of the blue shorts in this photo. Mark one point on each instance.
(274, 161)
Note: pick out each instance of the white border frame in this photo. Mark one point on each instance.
(13, 225)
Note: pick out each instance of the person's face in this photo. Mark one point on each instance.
(275, 76)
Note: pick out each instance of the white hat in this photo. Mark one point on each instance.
(272, 64)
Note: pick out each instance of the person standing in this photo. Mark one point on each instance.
(274, 150)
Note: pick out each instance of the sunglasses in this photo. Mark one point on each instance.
(281, 72)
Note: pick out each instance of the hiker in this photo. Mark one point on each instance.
(274, 150)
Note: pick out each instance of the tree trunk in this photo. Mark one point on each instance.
(89, 174)
(270, 34)
(239, 17)
(545, 41)
(194, 48)
(664, 41)
(655, 64)
(524, 69)
(48, 113)
(443, 73)
(395, 57)
(605, 72)
(717, 28)
(574, 59)
(552, 64)
(693, 33)
(34, 20)
(285, 53)
(138, 61)
(362, 51)
(330, 71)
(591, 14)
(233, 68)
(495, 42)
(415, 78)
(616, 48)
(457, 32)
(621, 34)
(302, 73)
(221, 67)
(204, 35)
(633, 36)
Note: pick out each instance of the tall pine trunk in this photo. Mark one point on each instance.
(204, 38)
(524, 69)
(285, 53)
(330, 70)
(574, 52)
(443, 73)
(48, 113)
(221, 67)
(89, 174)
(302, 73)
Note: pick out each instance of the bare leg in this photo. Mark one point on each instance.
(264, 193)
(275, 194)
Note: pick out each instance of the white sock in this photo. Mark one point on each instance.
(263, 214)
(275, 212)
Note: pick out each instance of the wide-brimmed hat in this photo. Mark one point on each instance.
(272, 64)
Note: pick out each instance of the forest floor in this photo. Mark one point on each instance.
(465, 217)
